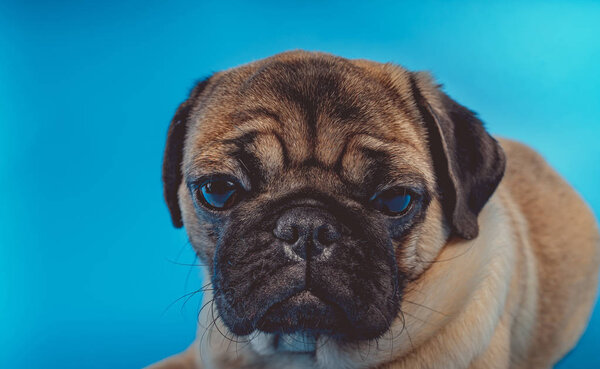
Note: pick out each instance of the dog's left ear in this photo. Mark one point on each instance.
(468, 162)
(172, 174)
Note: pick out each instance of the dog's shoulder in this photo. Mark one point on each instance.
(528, 167)
(184, 360)
(563, 235)
(545, 198)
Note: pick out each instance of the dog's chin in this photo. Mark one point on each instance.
(304, 313)
(296, 323)
(300, 321)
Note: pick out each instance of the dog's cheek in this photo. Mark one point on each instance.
(201, 232)
(420, 247)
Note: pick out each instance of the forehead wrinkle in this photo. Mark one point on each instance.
(228, 156)
(251, 127)
(330, 143)
(263, 108)
(294, 143)
(296, 139)
(214, 161)
(270, 152)
(374, 142)
(255, 114)
(396, 83)
(405, 157)
(312, 90)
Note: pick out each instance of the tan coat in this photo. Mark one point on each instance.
(519, 295)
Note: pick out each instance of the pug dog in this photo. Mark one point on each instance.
(352, 215)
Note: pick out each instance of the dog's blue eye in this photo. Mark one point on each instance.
(219, 194)
(393, 202)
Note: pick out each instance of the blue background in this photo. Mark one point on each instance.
(88, 257)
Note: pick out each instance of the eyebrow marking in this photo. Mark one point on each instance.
(370, 140)
(253, 129)
(368, 162)
(248, 138)
(243, 151)
(246, 158)
(378, 166)
(245, 139)
(251, 114)
(364, 140)
(339, 161)
(284, 151)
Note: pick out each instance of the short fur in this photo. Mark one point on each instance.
(495, 267)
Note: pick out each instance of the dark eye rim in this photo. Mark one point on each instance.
(199, 199)
(415, 197)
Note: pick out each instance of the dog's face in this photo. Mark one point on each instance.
(316, 187)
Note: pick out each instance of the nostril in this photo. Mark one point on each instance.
(326, 234)
(293, 235)
(306, 232)
(286, 232)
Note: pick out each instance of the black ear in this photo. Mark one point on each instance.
(173, 157)
(469, 163)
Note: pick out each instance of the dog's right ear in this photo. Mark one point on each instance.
(173, 157)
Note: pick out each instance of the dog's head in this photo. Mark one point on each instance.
(315, 187)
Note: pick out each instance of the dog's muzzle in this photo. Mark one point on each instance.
(307, 233)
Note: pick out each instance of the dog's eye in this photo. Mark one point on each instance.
(395, 201)
(219, 194)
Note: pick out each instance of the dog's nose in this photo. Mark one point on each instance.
(307, 231)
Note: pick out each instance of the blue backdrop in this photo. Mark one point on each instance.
(89, 262)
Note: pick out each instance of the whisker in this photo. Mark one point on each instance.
(186, 264)
(200, 311)
(200, 324)
(451, 258)
(217, 326)
(184, 296)
(426, 307)
(417, 318)
(405, 328)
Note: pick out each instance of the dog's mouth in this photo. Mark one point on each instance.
(299, 321)
(304, 315)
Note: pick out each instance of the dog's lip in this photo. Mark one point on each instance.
(301, 342)
(272, 320)
(302, 297)
(305, 296)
